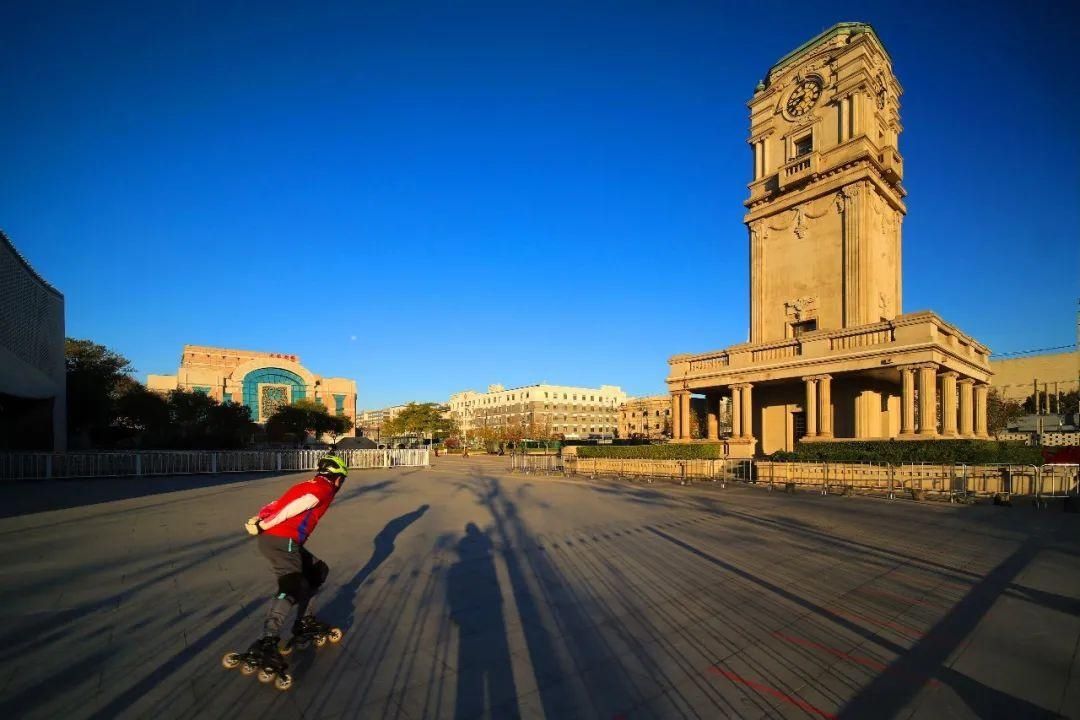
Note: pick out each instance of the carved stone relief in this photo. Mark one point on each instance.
(802, 308)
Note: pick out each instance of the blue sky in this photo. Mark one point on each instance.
(429, 197)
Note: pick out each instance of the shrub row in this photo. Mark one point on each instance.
(895, 452)
(695, 451)
(972, 452)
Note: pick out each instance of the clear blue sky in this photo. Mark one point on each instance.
(433, 197)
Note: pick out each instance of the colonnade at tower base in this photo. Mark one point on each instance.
(913, 377)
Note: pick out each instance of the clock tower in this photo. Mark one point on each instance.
(826, 201)
(832, 356)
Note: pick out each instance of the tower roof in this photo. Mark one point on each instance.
(844, 28)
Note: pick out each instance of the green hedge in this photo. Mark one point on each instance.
(972, 452)
(696, 451)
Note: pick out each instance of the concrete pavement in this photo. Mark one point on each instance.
(468, 592)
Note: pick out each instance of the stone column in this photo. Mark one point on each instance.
(842, 109)
(948, 403)
(907, 401)
(676, 424)
(712, 401)
(967, 408)
(747, 411)
(825, 409)
(687, 419)
(758, 234)
(736, 411)
(928, 400)
(811, 406)
(856, 254)
(981, 392)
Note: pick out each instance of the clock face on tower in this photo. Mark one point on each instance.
(803, 97)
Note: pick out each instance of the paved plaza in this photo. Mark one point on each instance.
(465, 591)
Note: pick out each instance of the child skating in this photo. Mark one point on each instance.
(283, 527)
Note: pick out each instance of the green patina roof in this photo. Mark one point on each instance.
(845, 28)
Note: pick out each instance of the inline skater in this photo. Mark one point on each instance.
(283, 527)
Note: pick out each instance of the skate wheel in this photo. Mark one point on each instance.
(248, 669)
(283, 682)
(335, 635)
(286, 649)
(230, 660)
(320, 640)
(266, 676)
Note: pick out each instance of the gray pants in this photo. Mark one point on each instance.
(299, 576)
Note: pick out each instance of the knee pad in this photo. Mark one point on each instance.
(317, 575)
(295, 587)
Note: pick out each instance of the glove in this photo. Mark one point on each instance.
(252, 525)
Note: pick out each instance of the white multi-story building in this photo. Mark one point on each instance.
(551, 410)
(371, 421)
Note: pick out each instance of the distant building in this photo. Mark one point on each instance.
(1015, 378)
(261, 380)
(370, 422)
(650, 417)
(33, 388)
(554, 410)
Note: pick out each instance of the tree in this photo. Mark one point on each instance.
(1000, 411)
(142, 417)
(198, 421)
(1068, 403)
(96, 376)
(229, 425)
(296, 420)
(423, 419)
(539, 428)
(697, 423)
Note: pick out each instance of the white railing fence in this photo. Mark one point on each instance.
(44, 465)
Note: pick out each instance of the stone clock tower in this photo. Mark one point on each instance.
(825, 203)
(831, 355)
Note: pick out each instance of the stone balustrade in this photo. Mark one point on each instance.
(922, 329)
(799, 169)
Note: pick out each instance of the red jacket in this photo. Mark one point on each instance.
(296, 513)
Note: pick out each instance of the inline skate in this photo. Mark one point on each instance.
(309, 629)
(263, 657)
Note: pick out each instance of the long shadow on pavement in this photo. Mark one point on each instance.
(483, 659)
(884, 697)
(560, 612)
(35, 496)
(343, 604)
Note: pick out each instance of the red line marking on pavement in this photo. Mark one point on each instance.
(858, 660)
(797, 702)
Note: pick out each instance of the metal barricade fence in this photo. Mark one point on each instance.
(536, 463)
(955, 481)
(1057, 481)
(684, 471)
(41, 466)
